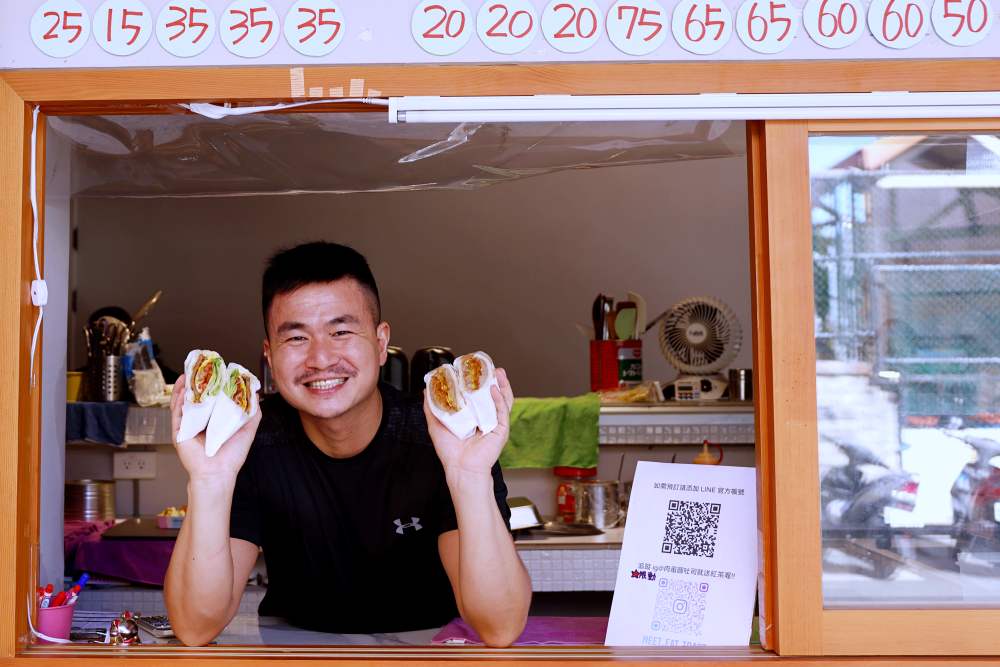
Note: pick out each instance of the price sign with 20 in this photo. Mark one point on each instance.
(314, 27)
(441, 27)
(636, 26)
(186, 28)
(571, 26)
(898, 24)
(122, 27)
(249, 28)
(767, 26)
(962, 22)
(507, 26)
(702, 26)
(60, 28)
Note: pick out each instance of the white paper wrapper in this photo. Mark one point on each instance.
(463, 422)
(480, 399)
(228, 417)
(195, 416)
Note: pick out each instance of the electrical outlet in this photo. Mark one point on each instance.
(135, 465)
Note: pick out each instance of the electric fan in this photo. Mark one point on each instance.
(699, 336)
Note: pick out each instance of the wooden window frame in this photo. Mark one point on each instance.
(794, 623)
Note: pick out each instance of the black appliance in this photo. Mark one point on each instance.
(424, 360)
(396, 369)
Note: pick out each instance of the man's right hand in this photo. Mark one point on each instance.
(227, 461)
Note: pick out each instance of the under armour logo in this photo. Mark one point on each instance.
(414, 524)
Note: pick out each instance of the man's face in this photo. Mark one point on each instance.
(324, 347)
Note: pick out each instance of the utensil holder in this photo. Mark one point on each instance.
(615, 364)
(108, 380)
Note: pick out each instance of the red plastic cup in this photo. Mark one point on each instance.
(55, 622)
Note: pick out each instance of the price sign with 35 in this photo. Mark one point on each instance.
(185, 28)
(314, 27)
(249, 28)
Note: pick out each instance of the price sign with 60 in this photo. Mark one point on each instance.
(898, 24)
(507, 26)
(962, 22)
(185, 29)
(702, 26)
(441, 27)
(767, 26)
(60, 28)
(834, 23)
(122, 27)
(571, 26)
(314, 27)
(636, 27)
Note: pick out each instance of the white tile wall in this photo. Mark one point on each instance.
(149, 601)
(572, 569)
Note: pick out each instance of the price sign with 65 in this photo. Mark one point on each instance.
(507, 26)
(702, 26)
(898, 24)
(767, 26)
(59, 28)
(962, 22)
(636, 27)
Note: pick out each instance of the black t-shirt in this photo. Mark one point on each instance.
(351, 545)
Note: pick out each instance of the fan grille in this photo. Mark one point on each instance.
(700, 335)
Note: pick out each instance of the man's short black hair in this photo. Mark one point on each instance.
(317, 262)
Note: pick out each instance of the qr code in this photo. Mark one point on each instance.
(691, 528)
(680, 607)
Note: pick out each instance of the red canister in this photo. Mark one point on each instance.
(565, 495)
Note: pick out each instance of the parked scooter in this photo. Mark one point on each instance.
(976, 497)
(855, 496)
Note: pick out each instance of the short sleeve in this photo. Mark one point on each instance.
(447, 519)
(245, 515)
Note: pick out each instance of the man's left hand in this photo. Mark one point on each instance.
(477, 453)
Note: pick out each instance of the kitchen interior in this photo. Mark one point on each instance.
(580, 256)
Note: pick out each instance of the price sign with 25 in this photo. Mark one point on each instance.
(834, 24)
(636, 27)
(962, 22)
(60, 28)
(441, 27)
(314, 27)
(249, 28)
(507, 26)
(702, 26)
(898, 24)
(185, 28)
(571, 26)
(767, 26)
(122, 27)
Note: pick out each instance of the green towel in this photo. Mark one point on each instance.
(549, 432)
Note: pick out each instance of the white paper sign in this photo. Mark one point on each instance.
(688, 569)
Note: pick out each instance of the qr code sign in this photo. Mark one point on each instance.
(691, 528)
(680, 607)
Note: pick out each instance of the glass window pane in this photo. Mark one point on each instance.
(906, 242)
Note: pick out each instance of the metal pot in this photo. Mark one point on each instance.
(598, 503)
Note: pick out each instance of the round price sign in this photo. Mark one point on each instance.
(636, 27)
(314, 27)
(507, 26)
(441, 27)
(185, 29)
(702, 26)
(834, 24)
(122, 27)
(249, 28)
(571, 26)
(60, 28)
(767, 26)
(898, 24)
(962, 22)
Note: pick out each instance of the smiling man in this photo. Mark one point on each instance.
(372, 517)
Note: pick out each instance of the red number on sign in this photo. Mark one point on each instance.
(495, 30)
(253, 23)
(577, 16)
(966, 18)
(126, 25)
(703, 26)
(765, 24)
(66, 25)
(446, 18)
(838, 20)
(903, 21)
(641, 16)
(311, 23)
(188, 16)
